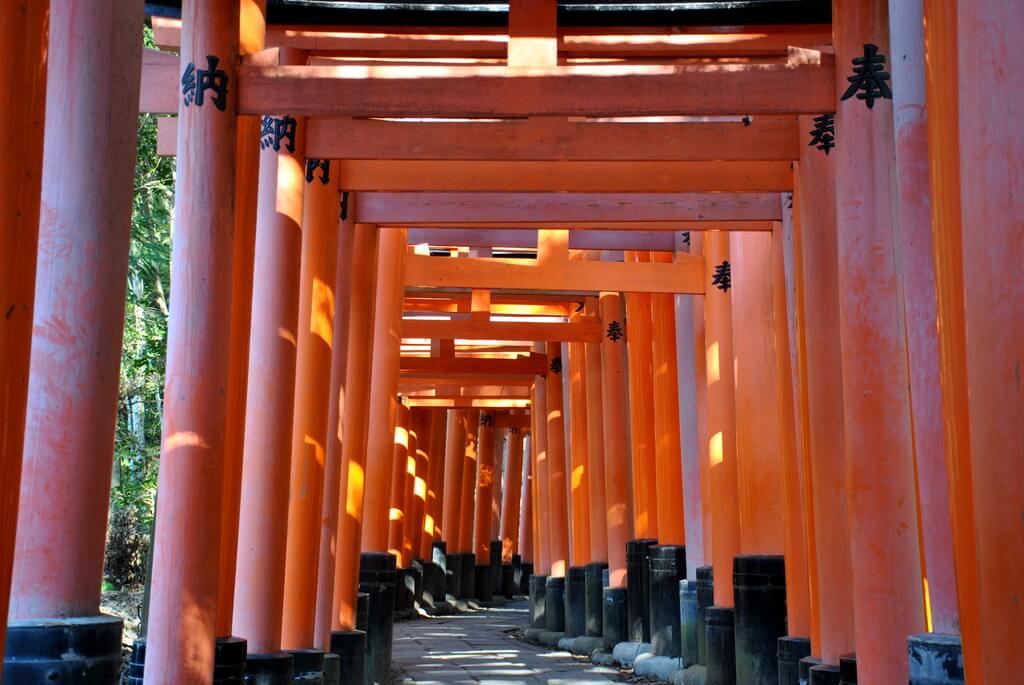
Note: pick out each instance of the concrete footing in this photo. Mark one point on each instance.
(657, 667)
(789, 652)
(804, 669)
(594, 603)
(625, 653)
(824, 674)
(615, 616)
(307, 666)
(721, 646)
(667, 565)
(554, 604)
(935, 659)
(638, 588)
(269, 669)
(848, 670)
(71, 651)
(688, 625)
(538, 602)
(377, 579)
(350, 646)
(705, 598)
(576, 602)
(332, 669)
(759, 598)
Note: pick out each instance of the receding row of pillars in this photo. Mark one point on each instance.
(850, 402)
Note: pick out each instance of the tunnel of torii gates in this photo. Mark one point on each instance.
(459, 312)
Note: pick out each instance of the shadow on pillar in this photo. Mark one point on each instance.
(759, 596)
(468, 588)
(935, 659)
(594, 603)
(790, 651)
(848, 670)
(350, 648)
(638, 588)
(377, 579)
(228, 663)
(705, 598)
(721, 646)
(494, 560)
(69, 651)
(667, 565)
(484, 582)
(525, 573)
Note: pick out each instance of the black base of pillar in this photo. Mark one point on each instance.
(667, 567)
(721, 646)
(229, 655)
(307, 666)
(554, 604)
(468, 561)
(804, 669)
(377, 578)
(269, 669)
(759, 594)
(525, 573)
(494, 560)
(69, 651)
(350, 646)
(848, 669)
(576, 602)
(705, 598)
(416, 573)
(790, 650)
(615, 616)
(936, 658)
(453, 575)
(638, 589)
(688, 622)
(824, 674)
(433, 586)
(362, 611)
(594, 603)
(483, 582)
(332, 669)
(403, 595)
(538, 601)
(508, 581)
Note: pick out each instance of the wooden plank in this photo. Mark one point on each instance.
(468, 402)
(452, 306)
(159, 89)
(580, 226)
(565, 176)
(520, 421)
(575, 90)
(446, 380)
(526, 366)
(532, 33)
(585, 330)
(545, 208)
(686, 276)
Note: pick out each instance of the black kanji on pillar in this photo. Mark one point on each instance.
(685, 236)
(195, 83)
(614, 332)
(324, 165)
(487, 419)
(823, 135)
(556, 364)
(870, 80)
(723, 276)
(275, 130)
(343, 209)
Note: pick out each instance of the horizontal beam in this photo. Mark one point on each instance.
(468, 403)
(582, 330)
(413, 41)
(417, 379)
(767, 138)
(457, 390)
(578, 240)
(579, 226)
(455, 366)
(520, 421)
(459, 306)
(685, 276)
(545, 208)
(565, 176)
(483, 91)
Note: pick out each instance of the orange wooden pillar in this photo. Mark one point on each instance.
(541, 474)
(511, 500)
(387, 343)
(467, 487)
(416, 496)
(579, 466)
(396, 511)
(701, 398)
(689, 431)
(884, 552)
(266, 462)
(78, 320)
(758, 456)
(355, 419)
(312, 385)
(500, 453)
(641, 410)
(817, 292)
(598, 513)
(186, 558)
(485, 473)
(454, 451)
(525, 545)
(252, 34)
(798, 584)
(721, 414)
(984, 357)
(23, 44)
(668, 455)
(435, 484)
(558, 521)
(614, 413)
(327, 559)
(917, 273)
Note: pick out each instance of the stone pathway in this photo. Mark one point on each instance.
(480, 648)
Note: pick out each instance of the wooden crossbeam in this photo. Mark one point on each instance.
(413, 367)
(460, 306)
(444, 380)
(765, 138)
(468, 402)
(686, 276)
(658, 241)
(413, 41)
(544, 209)
(584, 330)
(520, 421)
(580, 225)
(607, 90)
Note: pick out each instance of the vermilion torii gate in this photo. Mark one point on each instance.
(457, 303)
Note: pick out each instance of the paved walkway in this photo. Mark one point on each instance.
(480, 648)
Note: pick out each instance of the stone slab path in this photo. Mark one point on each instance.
(480, 648)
